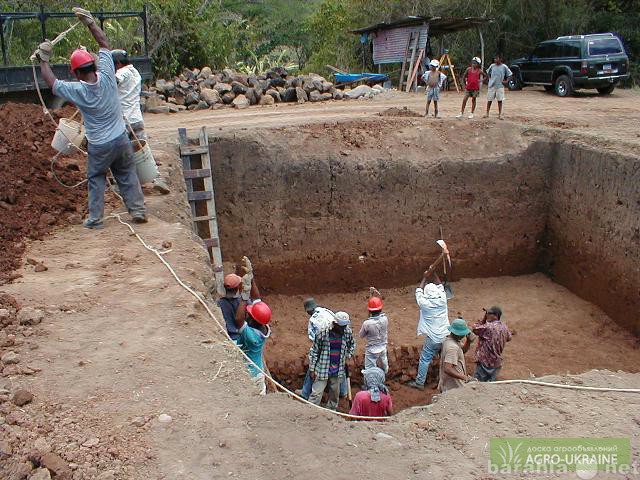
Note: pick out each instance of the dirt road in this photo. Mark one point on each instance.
(612, 119)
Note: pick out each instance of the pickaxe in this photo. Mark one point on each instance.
(444, 255)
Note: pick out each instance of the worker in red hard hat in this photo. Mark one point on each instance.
(96, 96)
(252, 322)
(231, 300)
(375, 332)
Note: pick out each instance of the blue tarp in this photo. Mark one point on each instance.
(353, 77)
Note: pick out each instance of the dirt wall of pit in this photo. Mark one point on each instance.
(594, 229)
(321, 213)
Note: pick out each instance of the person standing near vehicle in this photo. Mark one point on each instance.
(96, 96)
(129, 88)
(472, 78)
(498, 74)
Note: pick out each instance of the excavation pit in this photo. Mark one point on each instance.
(546, 227)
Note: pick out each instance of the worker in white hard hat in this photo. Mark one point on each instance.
(472, 79)
(434, 80)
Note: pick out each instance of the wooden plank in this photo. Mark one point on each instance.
(412, 78)
(204, 195)
(404, 61)
(204, 218)
(194, 150)
(186, 165)
(414, 53)
(197, 173)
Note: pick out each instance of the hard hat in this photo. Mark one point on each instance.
(477, 60)
(232, 281)
(375, 304)
(260, 312)
(120, 56)
(81, 58)
(434, 63)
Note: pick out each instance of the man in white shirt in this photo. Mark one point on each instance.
(433, 323)
(129, 88)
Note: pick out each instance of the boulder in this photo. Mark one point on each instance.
(202, 105)
(159, 109)
(30, 316)
(359, 91)
(10, 357)
(222, 88)
(326, 96)
(267, 100)
(238, 88)
(315, 96)
(227, 75)
(191, 98)
(301, 95)
(277, 72)
(277, 82)
(240, 78)
(289, 95)
(338, 94)
(173, 108)
(241, 102)
(40, 474)
(273, 93)
(205, 72)
(252, 96)
(56, 465)
(326, 86)
(228, 97)
(210, 96)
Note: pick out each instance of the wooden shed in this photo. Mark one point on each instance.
(399, 41)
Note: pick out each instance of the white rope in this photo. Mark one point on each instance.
(570, 387)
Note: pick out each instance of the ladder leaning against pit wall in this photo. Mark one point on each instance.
(196, 169)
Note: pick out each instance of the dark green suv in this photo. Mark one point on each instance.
(577, 61)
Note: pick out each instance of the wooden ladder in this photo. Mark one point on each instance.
(196, 169)
(410, 54)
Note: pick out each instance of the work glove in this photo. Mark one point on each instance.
(246, 287)
(44, 51)
(84, 16)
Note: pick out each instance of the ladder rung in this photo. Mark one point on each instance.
(204, 218)
(193, 196)
(195, 150)
(211, 242)
(197, 173)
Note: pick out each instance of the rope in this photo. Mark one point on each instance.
(294, 395)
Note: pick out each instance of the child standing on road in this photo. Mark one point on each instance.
(434, 80)
(499, 74)
(472, 78)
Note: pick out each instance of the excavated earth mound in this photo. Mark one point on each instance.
(32, 202)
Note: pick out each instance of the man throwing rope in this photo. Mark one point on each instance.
(96, 96)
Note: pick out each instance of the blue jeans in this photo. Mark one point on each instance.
(429, 350)
(485, 374)
(117, 156)
(308, 383)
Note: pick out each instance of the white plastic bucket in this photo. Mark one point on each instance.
(145, 164)
(68, 136)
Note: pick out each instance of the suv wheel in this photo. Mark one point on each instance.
(606, 90)
(563, 86)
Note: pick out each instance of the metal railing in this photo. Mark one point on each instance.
(42, 16)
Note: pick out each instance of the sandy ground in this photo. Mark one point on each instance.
(121, 344)
(605, 120)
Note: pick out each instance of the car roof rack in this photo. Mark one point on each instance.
(590, 35)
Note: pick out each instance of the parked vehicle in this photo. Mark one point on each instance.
(16, 81)
(572, 62)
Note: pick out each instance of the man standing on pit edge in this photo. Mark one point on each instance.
(96, 96)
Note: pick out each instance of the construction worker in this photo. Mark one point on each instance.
(252, 323)
(493, 335)
(375, 399)
(129, 88)
(433, 323)
(327, 360)
(319, 319)
(453, 368)
(374, 329)
(96, 96)
(231, 300)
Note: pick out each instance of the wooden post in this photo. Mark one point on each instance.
(481, 46)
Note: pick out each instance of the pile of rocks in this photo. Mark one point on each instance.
(203, 89)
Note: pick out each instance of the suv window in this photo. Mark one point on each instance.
(605, 46)
(571, 50)
(542, 51)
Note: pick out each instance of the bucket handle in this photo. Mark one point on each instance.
(132, 132)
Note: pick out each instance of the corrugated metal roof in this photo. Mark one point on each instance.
(437, 25)
(389, 46)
